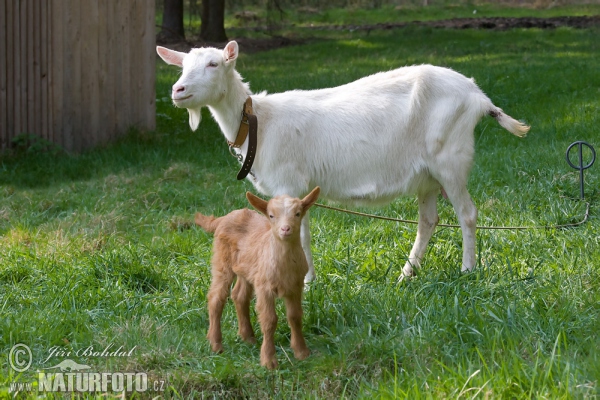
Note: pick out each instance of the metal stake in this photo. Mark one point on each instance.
(581, 167)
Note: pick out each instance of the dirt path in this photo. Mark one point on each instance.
(497, 23)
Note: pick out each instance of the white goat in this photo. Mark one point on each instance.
(405, 131)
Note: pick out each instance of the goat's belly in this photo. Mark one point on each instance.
(377, 192)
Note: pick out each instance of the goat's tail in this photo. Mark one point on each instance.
(209, 224)
(509, 123)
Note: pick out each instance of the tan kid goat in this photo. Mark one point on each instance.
(267, 257)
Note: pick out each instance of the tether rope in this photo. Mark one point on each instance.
(514, 228)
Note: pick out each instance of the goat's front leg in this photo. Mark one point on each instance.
(241, 296)
(293, 306)
(265, 307)
(305, 240)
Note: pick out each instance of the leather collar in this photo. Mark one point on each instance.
(248, 129)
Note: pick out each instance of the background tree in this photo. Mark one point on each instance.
(213, 21)
(172, 21)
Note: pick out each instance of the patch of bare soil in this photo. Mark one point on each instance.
(497, 23)
(248, 45)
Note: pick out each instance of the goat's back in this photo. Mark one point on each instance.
(370, 140)
(236, 224)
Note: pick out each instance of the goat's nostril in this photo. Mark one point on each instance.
(179, 89)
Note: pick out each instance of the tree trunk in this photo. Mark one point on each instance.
(213, 21)
(172, 22)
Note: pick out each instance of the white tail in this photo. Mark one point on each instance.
(509, 123)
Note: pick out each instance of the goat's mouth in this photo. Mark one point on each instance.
(285, 235)
(179, 99)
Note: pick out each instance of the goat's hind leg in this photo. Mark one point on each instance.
(428, 219)
(241, 296)
(467, 216)
(217, 297)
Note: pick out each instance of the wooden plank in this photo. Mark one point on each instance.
(26, 65)
(54, 52)
(123, 62)
(72, 75)
(44, 39)
(102, 60)
(149, 45)
(59, 30)
(3, 75)
(17, 68)
(35, 117)
(112, 72)
(10, 70)
(87, 131)
(136, 62)
(84, 75)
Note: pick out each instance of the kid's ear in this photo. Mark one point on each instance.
(230, 52)
(171, 56)
(259, 204)
(311, 198)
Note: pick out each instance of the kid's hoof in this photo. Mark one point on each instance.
(217, 347)
(269, 364)
(249, 340)
(302, 354)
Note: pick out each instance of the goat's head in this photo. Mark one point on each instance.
(204, 77)
(284, 212)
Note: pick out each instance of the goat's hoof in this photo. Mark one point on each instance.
(302, 354)
(217, 347)
(269, 364)
(405, 278)
(466, 270)
(249, 339)
(308, 278)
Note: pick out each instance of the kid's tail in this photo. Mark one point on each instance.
(509, 123)
(209, 224)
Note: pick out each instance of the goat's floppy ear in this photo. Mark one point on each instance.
(230, 52)
(195, 117)
(171, 56)
(310, 198)
(259, 204)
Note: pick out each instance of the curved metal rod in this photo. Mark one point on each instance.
(514, 228)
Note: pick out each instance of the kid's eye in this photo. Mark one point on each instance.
(297, 214)
(271, 216)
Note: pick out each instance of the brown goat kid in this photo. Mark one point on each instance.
(267, 257)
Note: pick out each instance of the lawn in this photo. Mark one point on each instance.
(98, 249)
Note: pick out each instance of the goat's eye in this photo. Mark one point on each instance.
(212, 64)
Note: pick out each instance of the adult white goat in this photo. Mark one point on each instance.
(405, 131)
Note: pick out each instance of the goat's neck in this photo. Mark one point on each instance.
(283, 252)
(228, 111)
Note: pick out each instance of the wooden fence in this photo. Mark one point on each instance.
(76, 72)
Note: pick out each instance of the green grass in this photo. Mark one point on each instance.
(98, 248)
